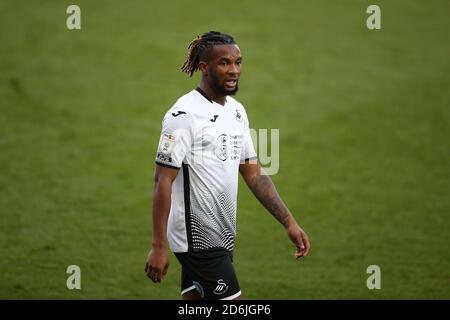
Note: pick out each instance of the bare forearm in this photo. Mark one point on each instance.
(161, 209)
(265, 191)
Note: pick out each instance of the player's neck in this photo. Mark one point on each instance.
(209, 91)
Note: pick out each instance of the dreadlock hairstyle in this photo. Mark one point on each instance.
(200, 48)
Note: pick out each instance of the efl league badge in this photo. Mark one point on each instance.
(167, 143)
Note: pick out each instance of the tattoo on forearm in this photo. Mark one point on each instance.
(265, 191)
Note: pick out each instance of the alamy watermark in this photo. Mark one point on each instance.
(73, 21)
(374, 280)
(374, 20)
(206, 147)
(74, 280)
(269, 161)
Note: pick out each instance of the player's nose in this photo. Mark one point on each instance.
(234, 69)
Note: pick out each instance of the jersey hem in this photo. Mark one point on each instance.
(203, 250)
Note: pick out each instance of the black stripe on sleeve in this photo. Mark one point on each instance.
(249, 159)
(166, 165)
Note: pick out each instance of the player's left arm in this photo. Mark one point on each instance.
(263, 188)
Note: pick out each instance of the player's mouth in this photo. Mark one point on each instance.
(231, 83)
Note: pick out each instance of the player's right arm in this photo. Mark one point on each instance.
(158, 259)
(175, 142)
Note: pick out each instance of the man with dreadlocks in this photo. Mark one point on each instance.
(206, 135)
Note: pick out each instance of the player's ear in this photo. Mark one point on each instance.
(203, 66)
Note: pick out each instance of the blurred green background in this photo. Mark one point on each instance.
(364, 144)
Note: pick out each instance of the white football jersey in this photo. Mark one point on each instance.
(207, 141)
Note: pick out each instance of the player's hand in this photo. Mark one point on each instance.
(157, 264)
(300, 239)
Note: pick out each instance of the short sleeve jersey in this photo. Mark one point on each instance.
(207, 142)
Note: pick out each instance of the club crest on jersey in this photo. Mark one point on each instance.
(221, 287)
(222, 147)
(238, 116)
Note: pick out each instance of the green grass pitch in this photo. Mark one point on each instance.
(364, 144)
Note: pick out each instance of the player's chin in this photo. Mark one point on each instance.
(231, 91)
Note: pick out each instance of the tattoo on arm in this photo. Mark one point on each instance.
(265, 191)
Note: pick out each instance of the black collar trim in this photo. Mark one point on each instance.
(203, 94)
